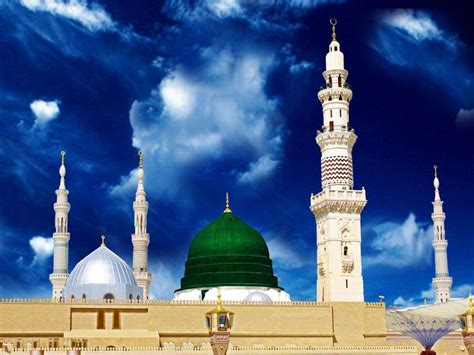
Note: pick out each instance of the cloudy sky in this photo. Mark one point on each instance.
(221, 96)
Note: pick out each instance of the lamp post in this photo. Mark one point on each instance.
(467, 319)
(219, 321)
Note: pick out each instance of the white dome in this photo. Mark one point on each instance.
(258, 296)
(102, 266)
(102, 274)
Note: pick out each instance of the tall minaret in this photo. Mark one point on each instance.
(441, 282)
(338, 206)
(61, 236)
(141, 239)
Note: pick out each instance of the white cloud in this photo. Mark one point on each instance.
(224, 8)
(458, 291)
(402, 302)
(44, 111)
(258, 170)
(252, 11)
(284, 256)
(165, 281)
(415, 23)
(42, 247)
(465, 118)
(300, 66)
(127, 184)
(462, 291)
(199, 117)
(401, 244)
(92, 16)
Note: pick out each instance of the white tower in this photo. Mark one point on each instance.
(441, 282)
(338, 206)
(141, 239)
(61, 237)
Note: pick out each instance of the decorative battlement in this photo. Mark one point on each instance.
(244, 350)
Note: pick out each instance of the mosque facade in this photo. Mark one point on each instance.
(103, 304)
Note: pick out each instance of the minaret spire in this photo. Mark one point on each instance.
(338, 206)
(61, 236)
(141, 238)
(442, 281)
(333, 22)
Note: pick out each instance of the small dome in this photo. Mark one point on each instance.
(258, 296)
(102, 266)
(228, 252)
(102, 274)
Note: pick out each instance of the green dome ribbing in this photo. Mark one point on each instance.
(228, 252)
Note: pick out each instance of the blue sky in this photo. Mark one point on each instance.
(221, 96)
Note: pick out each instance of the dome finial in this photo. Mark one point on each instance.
(63, 153)
(227, 204)
(219, 301)
(435, 167)
(333, 22)
(103, 240)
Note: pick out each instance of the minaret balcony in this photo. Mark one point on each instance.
(343, 139)
(342, 201)
(335, 73)
(334, 93)
(440, 244)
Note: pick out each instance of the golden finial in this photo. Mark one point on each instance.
(227, 204)
(140, 154)
(333, 22)
(63, 153)
(219, 301)
(435, 167)
(103, 240)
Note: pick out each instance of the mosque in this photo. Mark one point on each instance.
(103, 304)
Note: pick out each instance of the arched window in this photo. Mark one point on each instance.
(339, 81)
(108, 297)
(84, 296)
(138, 297)
(130, 297)
(73, 298)
(335, 48)
(345, 250)
(347, 283)
(340, 113)
(323, 295)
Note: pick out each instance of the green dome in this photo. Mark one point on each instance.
(228, 252)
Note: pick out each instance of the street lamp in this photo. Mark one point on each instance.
(467, 319)
(219, 321)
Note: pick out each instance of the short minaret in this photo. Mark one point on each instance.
(441, 282)
(61, 236)
(141, 239)
(338, 206)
